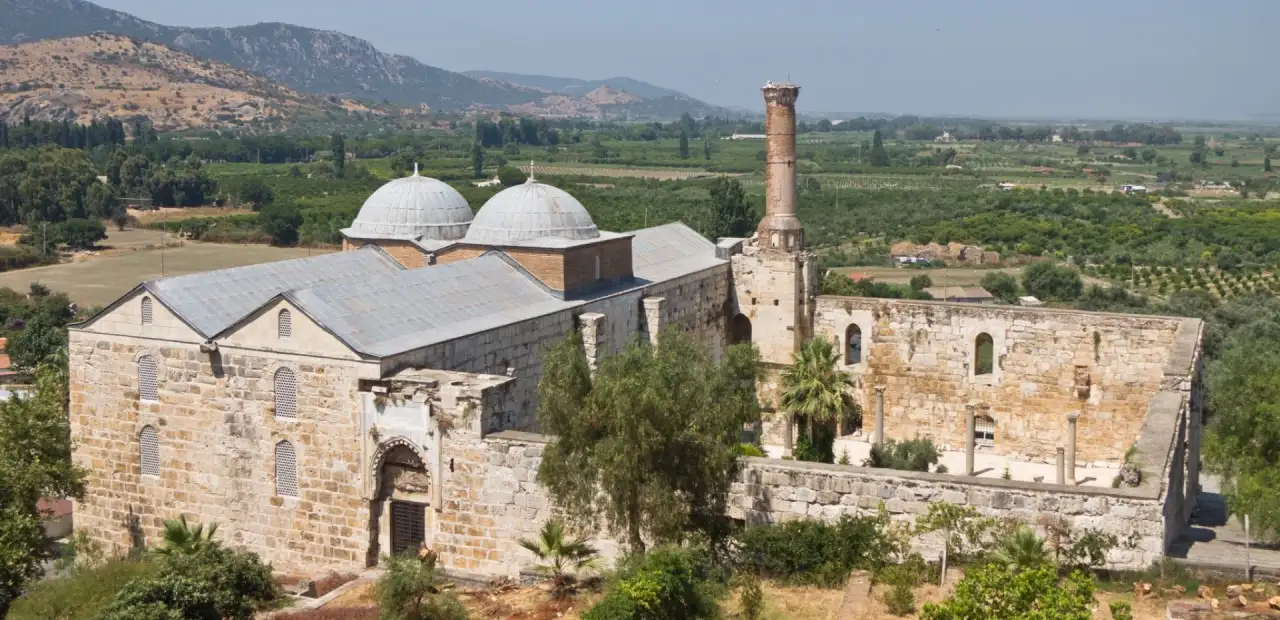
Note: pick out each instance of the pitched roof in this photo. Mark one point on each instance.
(400, 311)
(670, 251)
(214, 300)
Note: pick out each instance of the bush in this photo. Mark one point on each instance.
(1051, 282)
(19, 257)
(810, 552)
(83, 594)
(256, 194)
(752, 598)
(410, 590)
(900, 600)
(1121, 610)
(668, 582)
(750, 449)
(281, 221)
(911, 455)
(994, 593)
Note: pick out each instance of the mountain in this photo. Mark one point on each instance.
(101, 75)
(575, 86)
(308, 60)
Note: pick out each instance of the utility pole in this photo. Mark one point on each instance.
(44, 238)
(164, 236)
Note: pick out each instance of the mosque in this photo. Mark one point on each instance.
(329, 409)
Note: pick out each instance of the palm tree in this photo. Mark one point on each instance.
(814, 387)
(560, 555)
(1022, 550)
(180, 538)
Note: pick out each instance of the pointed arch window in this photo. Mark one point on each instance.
(286, 470)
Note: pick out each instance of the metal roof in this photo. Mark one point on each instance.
(395, 312)
(670, 251)
(530, 211)
(410, 208)
(214, 300)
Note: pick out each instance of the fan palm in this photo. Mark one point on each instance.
(560, 555)
(814, 387)
(1022, 550)
(181, 538)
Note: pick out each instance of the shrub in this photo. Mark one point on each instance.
(900, 600)
(1121, 610)
(911, 455)
(167, 596)
(668, 582)
(83, 594)
(750, 449)
(994, 593)
(410, 590)
(752, 598)
(211, 580)
(810, 552)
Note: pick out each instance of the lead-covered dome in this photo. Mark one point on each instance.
(531, 211)
(411, 208)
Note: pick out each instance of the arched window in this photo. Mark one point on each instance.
(148, 374)
(984, 431)
(984, 353)
(284, 324)
(150, 451)
(853, 345)
(286, 391)
(286, 470)
(147, 315)
(740, 330)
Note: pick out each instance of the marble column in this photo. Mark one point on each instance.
(970, 444)
(880, 416)
(1071, 446)
(1062, 466)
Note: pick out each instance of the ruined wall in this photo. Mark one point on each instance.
(1048, 363)
(699, 302)
(217, 434)
(771, 289)
(492, 499)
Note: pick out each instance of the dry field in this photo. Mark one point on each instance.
(174, 214)
(954, 276)
(668, 174)
(99, 280)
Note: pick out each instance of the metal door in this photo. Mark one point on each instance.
(408, 526)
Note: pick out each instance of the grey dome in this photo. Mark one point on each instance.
(531, 211)
(413, 207)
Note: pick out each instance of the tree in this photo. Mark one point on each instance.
(511, 176)
(42, 339)
(684, 145)
(81, 234)
(1198, 157)
(1266, 164)
(731, 214)
(1052, 282)
(180, 538)
(1243, 440)
(879, 157)
(256, 194)
(994, 592)
(1149, 155)
(649, 444)
(338, 144)
(921, 282)
(815, 389)
(1022, 550)
(562, 557)
(706, 150)
(1002, 285)
(477, 161)
(35, 456)
(281, 221)
(411, 589)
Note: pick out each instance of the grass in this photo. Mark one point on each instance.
(100, 280)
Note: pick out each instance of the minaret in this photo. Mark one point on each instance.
(780, 229)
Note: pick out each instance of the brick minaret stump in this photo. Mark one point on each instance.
(780, 229)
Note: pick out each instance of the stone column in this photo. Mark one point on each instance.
(880, 415)
(1062, 467)
(653, 307)
(788, 445)
(1071, 446)
(590, 323)
(780, 229)
(970, 427)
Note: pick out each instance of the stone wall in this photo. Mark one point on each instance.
(217, 434)
(492, 499)
(1047, 364)
(697, 302)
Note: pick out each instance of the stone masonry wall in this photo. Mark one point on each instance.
(492, 499)
(697, 302)
(217, 434)
(1048, 364)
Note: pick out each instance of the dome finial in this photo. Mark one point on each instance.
(530, 179)
(415, 168)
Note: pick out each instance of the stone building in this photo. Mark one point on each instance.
(330, 409)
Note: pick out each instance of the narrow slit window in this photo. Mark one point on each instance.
(148, 314)
(286, 470)
(284, 323)
(286, 393)
(984, 353)
(148, 376)
(149, 442)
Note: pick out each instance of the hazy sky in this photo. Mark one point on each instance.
(1028, 58)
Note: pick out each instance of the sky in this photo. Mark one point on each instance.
(1111, 59)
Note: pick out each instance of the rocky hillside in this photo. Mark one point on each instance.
(100, 76)
(315, 61)
(575, 86)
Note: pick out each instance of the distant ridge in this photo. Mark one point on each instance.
(575, 86)
(314, 61)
